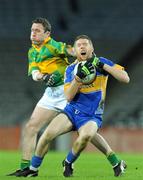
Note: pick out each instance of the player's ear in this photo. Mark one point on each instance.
(92, 48)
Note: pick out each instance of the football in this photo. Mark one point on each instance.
(89, 78)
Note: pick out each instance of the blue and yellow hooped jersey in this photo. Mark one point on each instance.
(91, 97)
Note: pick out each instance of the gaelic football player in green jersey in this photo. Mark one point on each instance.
(47, 63)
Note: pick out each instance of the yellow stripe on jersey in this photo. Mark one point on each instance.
(38, 48)
(49, 66)
(66, 86)
(50, 48)
(99, 84)
(119, 67)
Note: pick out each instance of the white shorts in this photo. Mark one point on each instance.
(53, 99)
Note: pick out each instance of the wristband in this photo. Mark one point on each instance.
(34, 75)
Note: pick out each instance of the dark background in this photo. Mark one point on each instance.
(116, 28)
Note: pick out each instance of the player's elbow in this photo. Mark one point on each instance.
(126, 78)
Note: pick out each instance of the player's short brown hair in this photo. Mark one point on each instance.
(44, 22)
(83, 37)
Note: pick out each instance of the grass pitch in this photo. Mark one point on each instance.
(90, 166)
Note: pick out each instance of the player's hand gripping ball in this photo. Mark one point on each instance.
(89, 73)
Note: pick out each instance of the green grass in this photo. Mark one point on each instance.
(90, 166)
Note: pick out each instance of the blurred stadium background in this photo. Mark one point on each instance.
(116, 29)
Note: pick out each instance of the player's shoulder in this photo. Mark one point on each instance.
(31, 49)
(55, 43)
(106, 61)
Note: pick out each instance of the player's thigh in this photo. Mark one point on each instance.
(59, 125)
(41, 117)
(89, 129)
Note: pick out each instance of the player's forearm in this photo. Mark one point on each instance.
(118, 74)
(72, 90)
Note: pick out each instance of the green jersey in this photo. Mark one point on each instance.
(50, 57)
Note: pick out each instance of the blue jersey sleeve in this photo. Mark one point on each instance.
(106, 61)
(111, 63)
(69, 74)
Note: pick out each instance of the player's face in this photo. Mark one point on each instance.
(38, 33)
(83, 49)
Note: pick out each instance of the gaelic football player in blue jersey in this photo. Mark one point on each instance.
(84, 109)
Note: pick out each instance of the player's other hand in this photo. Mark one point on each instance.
(96, 62)
(49, 79)
(98, 65)
(52, 79)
